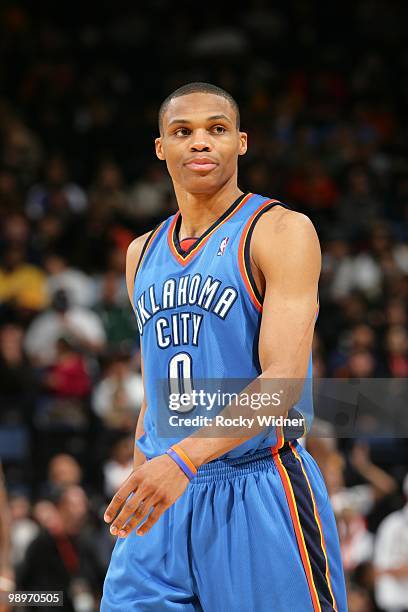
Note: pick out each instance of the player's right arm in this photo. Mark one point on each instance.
(132, 259)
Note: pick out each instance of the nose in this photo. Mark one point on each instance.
(200, 141)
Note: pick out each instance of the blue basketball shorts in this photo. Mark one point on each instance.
(250, 534)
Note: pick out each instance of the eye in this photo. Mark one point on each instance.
(218, 129)
(183, 131)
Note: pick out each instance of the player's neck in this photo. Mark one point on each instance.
(200, 211)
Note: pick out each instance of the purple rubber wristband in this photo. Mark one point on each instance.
(172, 453)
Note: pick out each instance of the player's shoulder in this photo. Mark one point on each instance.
(284, 225)
(135, 248)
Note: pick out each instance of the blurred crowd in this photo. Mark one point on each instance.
(328, 134)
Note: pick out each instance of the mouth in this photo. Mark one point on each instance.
(201, 164)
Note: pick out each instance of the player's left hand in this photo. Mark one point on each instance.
(158, 484)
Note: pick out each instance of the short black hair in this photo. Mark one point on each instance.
(198, 87)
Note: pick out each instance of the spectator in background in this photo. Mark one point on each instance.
(118, 319)
(107, 197)
(77, 285)
(62, 557)
(15, 230)
(10, 198)
(337, 264)
(67, 376)
(67, 385)
(49, 235)
(23, 528)
(362, 273)
(147, 197)
(17, 384)
(22, 151)
(360, 364)
(352, 504)
(359, 207)
(63, 320)
(22, 285)
(119, 466)
(358, 600)
(116, 265)
(391, 559)
(57, 194)
(117, 398)
(396, 312)
(64, 470)
(396, 346)
(46, 515)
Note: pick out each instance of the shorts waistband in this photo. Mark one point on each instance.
(225, 469)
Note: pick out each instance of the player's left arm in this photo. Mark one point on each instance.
(286, 250)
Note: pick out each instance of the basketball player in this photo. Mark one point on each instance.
(225, 288)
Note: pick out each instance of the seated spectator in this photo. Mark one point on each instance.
(10, 198)
(63, 320)
(46, 515)
(362, 497)
(117, 398)
(396, 312)
(118, 320)
(64, 470)
(358, 600)
(359, 207)
(67, 376)
(64, 557)
(78, 287)
(16, 230)
(147, 197)
(360, 273)
(17, 383)
(23, 528)
(107, 197)
(363, 578)
(391, 559)
(22, 285)
(67, 385)
(57, 194)
(396, 345)
(119, 466)
(356, 542)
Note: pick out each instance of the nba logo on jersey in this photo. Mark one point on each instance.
(223, 245)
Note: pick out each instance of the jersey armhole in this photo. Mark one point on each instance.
(145, 248)
(244, 252)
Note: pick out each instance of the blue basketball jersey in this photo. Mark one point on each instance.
(198, 314)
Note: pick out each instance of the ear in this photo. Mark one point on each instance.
(159, 148)
(243, 143)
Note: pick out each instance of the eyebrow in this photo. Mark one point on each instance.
(212, 118)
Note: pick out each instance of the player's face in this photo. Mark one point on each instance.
(200, 142)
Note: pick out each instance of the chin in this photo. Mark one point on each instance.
(202, 184)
